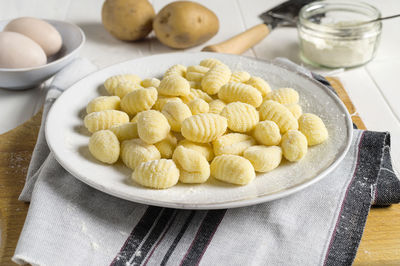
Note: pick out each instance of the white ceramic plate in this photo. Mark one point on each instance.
(68, 138)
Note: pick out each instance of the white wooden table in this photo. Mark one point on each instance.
(373, 88)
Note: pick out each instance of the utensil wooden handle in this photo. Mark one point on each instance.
(241, 42)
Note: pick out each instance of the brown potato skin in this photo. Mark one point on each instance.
(128, 20)
(184, 24)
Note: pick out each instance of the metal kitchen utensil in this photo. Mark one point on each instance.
(284, 14)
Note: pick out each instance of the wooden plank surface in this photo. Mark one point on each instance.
(380, 244)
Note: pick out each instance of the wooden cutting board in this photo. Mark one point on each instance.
(380, 244)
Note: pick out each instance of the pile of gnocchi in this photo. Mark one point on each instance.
(199, 121)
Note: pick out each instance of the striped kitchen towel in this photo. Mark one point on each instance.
(70, 223)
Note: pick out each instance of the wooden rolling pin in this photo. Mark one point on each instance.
(242, 42)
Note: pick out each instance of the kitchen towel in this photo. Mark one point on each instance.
(70, 223)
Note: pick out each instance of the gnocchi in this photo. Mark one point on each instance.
(139, 100)
(242, 117)
(104, 120)
(204, 148)
(125, 131)
(112, 82)
(103, 103)
(195, 93)
(152, 126)
(284, 96)
(216, 106)
(174, 86)
(215, 78)
(313, 128)
(198, 106)
(203, 128)
(263, 158)
(194, 76)
(232, 143)
(192, 165)
(274, 111)
(176, 112)
(104, 146)
(239, 92)
(210, 62)
(167, 146)
(198, 69)
(240, 76)
(136, 151)
(124, 88)
(158, 174)
(267, 133)
(294, 145)
(153, 82)
(162, 100)
(295, 109)
(261, 85)
(176, 70)
(232, 169)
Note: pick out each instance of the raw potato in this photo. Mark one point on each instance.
(185, 24)
(128, 20)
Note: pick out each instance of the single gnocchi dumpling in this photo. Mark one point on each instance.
(152, 126)
(125, 131)
(176, 112)
(192, 165)
(176, 70)
(295, 109)
(240, 76)
(162, 100)
(198, 106)
(216, 106)
(112, 82)
(194, 76)
(242, 117)
(232, 169)
(103, 103)
(104, 146)
(195, 93)
(274, 111)
(267, 133)
(167, 146)
(232, 143)
(153, 82)
(197, 69)
(139, 100)
(204, 148)
(136, 151)
(215, 78)
(203, 128)
(240, 92)
(174, 86)
(261, 85)
(263, 158)
(294, 145)
(313, 128)
(158, 174)
(125, 88)
(210, 62)
(284, 96)
(104, 120)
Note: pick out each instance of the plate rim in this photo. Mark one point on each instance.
(226, 204)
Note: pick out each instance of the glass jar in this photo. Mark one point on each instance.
(332, 33)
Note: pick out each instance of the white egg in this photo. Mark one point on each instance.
(38, 30)
(19, 51)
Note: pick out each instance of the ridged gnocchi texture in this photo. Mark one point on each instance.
(176, 70)
(232, 169)
(125, 131)
(158, 174)
(194, 76)
(192, 165)
(242, 117)
(263, 158)
(232, 143)
(197, 69)
(176, 112)
(240, 92)
(167, 146)
(152, 126)
(216, 106)
(240, 76)
(125, 88)
(139, 100)
(198, 106)
(294, 145)
(203, 128)
(162, 100)
(215, 78)
(136, 151)
(261, 85)
(274, 111)
(204, 148)
(103, 103)
(104, 146)
(267, 133)
(174, 86)
(195, 93)
(284, 96)
(153, 82)
(112, 82)
(104, 119)
(210, 62)
(295, 109)
(313, 128)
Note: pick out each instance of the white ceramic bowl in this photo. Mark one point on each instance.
(23, 78)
